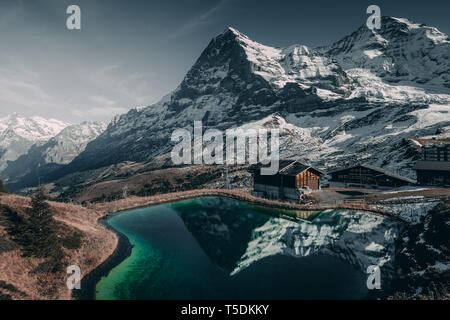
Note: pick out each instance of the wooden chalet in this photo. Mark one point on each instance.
(367, 176)
(292, 180)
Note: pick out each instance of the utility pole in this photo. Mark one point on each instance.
(361, 183)
(125, 191)
(225, 175)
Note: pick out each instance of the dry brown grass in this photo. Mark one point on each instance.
(160, 179)
(98, 245)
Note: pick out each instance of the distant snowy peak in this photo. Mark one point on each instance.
(71, 141)
(18, 134)
(401, 51)
(29, 128)
(44, 158)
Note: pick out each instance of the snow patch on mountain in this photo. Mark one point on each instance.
(379, 135)
(410, 212)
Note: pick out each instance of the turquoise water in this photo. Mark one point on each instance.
(188, 250)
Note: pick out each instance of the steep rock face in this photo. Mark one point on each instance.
(234, 81)
(18, 134)
(44, 157)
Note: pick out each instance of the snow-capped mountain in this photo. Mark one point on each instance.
(295, 64)
(359, 99)
(18, 134)
(71, 141)
(401, 52)
(58, 150)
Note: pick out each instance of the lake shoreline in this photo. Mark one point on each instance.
(121, 252)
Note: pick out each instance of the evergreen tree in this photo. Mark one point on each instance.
(42, 227)
(3, 188)
(37, 233)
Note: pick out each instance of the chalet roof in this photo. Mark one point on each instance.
(289, 167)
(377, 169)
(441, 144)
(293, 168)
(296, 168)
(432, 142)
(432, 165)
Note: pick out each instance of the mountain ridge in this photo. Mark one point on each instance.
(44, 157)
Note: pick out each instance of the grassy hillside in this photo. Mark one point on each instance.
(37, 269)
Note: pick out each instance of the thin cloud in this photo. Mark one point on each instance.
(124, 85)
(98, 112)
(197, 21)
(101, 100)
(20, 88)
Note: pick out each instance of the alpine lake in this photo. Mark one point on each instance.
(217, 248)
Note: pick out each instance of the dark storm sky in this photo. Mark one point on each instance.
(131, 53)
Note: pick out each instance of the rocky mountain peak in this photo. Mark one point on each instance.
(401, 51)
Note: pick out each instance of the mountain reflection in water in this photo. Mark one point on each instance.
(214, 248)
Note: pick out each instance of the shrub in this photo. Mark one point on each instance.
(6, 245)
(5, 296)
(5, 288)
(72, 240)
